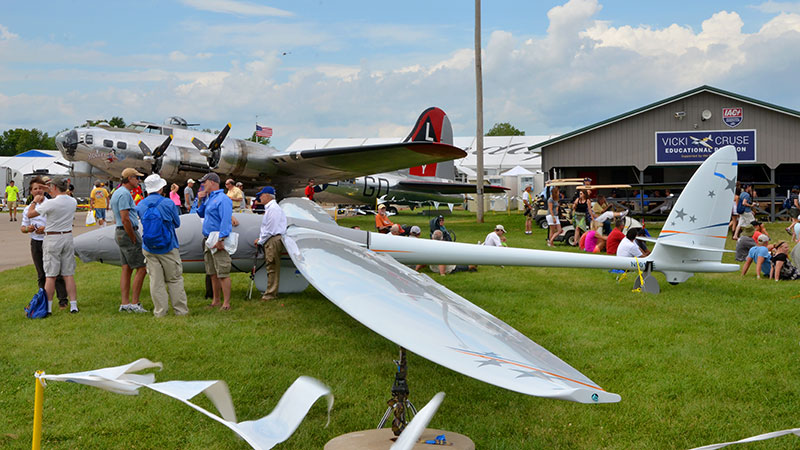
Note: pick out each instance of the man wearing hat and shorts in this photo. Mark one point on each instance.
(58, 249)
(496, 238)
(273, 226)
(129, 241)
(216, 209)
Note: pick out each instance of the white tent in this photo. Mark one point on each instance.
(33, 160)
(517, 171)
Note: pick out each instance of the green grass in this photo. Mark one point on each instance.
(713, 359)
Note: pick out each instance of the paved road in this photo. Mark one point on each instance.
(16, 247)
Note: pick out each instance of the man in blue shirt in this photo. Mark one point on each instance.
(746, 216)
(160, 245)
(129, 241)
(759, 254)
(216, 209)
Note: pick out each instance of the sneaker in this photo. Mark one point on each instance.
(73, 310)
(124, 308)
(137, 308)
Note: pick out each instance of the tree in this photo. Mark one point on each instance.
(505, 129)
(21, 140)
(117, 122)
(258, 139)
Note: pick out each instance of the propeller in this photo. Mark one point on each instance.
(155, 155)
(211, 151)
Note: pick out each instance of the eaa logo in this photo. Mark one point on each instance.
(732, 116)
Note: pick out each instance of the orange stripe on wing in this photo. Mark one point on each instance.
(391, 251)
(531, 368)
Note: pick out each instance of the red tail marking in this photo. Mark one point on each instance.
(428, 170)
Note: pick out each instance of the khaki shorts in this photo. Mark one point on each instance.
(745, 218)
(58, 255)
(130, 253)
(218, 264)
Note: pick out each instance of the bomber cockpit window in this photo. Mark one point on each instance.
(154, 130)
(122, 145)
(108, 143)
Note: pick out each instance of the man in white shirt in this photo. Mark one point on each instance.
(36, 228)
(528, 204)
(58, 249)
(628, 247)
(273, 225)
(497, 237)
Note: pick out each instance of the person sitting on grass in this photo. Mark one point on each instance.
(628, 247)
(759, 229)
(759, 254)
(745, 243)
(782, 267)
(595, 242)
(382, 222)
(615, 237)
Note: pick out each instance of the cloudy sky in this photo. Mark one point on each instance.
(326, 68)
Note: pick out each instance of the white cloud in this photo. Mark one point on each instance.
(6, 35)
(581, 71)
(236, 7)
(771, 7)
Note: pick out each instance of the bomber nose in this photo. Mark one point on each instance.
(67, 143)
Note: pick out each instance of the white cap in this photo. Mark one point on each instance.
(500, 227)
(763, 238)
(153, 183)
(415, 230)
(189, 181)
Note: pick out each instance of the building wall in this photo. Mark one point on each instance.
(631, 141)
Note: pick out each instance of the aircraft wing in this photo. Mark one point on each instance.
(448, 188)
(332, 164)
(428, 319)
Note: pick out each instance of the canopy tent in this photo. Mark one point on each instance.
(32, 161)
(517, 171)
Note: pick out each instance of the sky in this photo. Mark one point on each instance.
(323, 68)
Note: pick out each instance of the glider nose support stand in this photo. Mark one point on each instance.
(645, 281)
(399, 403)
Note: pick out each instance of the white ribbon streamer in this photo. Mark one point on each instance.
(261, 434)
(417, 426)
(760, 437)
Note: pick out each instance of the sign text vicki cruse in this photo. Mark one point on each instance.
(693, 147)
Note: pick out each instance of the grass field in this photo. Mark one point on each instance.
(711, 360)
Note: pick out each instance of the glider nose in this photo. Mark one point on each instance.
(67, 143)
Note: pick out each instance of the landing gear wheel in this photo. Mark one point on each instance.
(391, 209)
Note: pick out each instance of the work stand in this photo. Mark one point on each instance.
(399, 404)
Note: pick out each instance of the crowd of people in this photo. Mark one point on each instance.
(145, 231)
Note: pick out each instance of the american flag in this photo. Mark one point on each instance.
(263, 131)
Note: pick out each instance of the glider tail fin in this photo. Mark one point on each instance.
(433, 125)
(697, 227)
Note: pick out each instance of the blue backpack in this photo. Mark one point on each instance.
(156, 235)
(37, 308)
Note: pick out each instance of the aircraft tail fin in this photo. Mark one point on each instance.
(697, 227)
(433, 125)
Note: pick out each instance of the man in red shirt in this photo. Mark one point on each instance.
(310, 189)
(615, 236)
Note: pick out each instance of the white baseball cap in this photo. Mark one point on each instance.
(500, 227)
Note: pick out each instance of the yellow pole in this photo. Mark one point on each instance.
(38, 405)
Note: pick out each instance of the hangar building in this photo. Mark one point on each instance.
(662, 143)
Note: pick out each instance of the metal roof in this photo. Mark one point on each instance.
(704, 88)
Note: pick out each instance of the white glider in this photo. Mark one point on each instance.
(441, 325)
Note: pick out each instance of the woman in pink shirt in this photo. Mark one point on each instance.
(173, 195)
(595, 242)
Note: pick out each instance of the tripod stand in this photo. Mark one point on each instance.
(399, 403)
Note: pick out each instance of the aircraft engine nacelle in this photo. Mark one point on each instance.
(245, 160)
(181, 163)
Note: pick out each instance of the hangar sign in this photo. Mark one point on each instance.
(693, 147)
